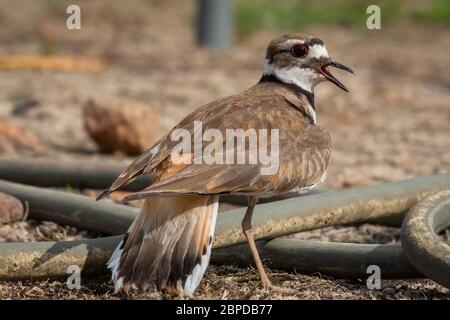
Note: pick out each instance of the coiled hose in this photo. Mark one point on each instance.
(271, 220)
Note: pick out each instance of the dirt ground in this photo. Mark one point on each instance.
(394, 124)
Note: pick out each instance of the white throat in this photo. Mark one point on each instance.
(306, 79)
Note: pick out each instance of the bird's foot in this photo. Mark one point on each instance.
(268, 290)
(268, 286)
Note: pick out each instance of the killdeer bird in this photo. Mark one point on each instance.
(169, 244)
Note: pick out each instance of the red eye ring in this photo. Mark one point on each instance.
(299, 50)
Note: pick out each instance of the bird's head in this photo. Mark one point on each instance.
(301, 60)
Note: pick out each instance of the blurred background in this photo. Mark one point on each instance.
(135, 68)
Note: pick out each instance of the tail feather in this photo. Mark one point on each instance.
(194, 278)
(180, 251)
(168, 245)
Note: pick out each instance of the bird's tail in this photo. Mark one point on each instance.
(167, 246)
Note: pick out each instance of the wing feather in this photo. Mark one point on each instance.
(298, 139)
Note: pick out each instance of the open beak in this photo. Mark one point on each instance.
(324, 71)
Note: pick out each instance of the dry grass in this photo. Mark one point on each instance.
(227, 282)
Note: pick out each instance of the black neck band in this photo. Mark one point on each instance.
(307, 94)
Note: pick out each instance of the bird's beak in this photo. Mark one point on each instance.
(324, 71)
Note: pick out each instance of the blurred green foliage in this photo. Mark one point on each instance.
(437, 11)
(253, 15)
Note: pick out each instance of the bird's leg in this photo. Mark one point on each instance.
(247, 229)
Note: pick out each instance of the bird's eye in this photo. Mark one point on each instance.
(299, 51)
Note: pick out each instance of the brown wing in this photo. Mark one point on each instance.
(304, 151)
(202, 179)
(146, 163)
(150, 159)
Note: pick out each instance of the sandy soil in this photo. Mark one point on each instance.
(394, 124)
